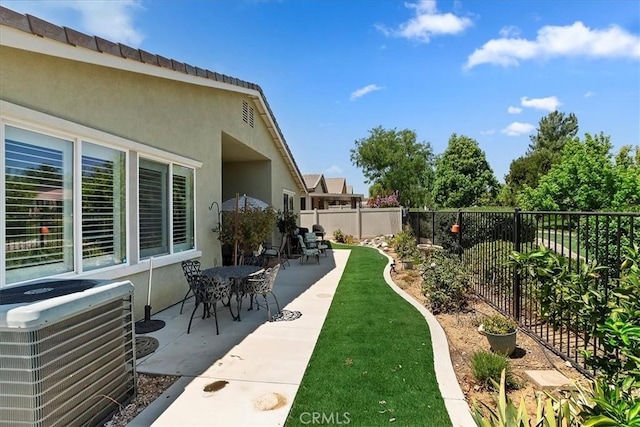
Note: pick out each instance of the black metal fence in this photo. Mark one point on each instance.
(484, 240)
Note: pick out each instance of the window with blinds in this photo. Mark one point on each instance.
(153, 206)
(183, 236)
(38, 186)
(103, 207)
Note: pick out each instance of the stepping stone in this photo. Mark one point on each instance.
(548, 380)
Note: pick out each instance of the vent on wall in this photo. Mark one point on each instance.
(247, 113)
(67, 360)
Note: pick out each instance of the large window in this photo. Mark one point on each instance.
(155, 212)
(67, 211)
(183, 238)
(38, 186)
(103, 207)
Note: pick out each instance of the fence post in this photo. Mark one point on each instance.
(433, 227)
(460, 228)
(517, 246)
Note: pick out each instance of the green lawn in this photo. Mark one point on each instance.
(373, 362)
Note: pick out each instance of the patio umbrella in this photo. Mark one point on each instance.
(240, 202)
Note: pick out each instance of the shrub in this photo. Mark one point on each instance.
(445, 283)
(487, 368)
(550, 412)
(499, 324)
(340, 237)
(404, 244)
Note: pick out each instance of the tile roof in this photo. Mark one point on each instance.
(335, 185)
(311, 180)
(39, 27)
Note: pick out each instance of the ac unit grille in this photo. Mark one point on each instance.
(67, 373)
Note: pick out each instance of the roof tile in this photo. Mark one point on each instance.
(148, 57)
(164, 62)
(77, 38)
(201, 72)
(129, 52)
(14, 19)
(178, 66)
(107, 46)
(190, 69)
(46, 29)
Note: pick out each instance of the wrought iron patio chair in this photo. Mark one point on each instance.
(262, 284)
(208, 291)
(307, 251)
(277, 253)
(191, 270)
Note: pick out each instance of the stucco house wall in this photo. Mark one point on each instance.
(169, 118)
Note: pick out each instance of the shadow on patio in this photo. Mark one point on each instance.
(255, 356)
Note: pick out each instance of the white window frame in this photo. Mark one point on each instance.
(28, 119)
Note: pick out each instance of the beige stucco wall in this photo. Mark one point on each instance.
(177, 117)
(360, 223)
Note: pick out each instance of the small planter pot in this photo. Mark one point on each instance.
(504, 344)
(407, 265)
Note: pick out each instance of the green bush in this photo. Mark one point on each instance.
(499, 324)
(340, 237)
(404, 244)
(487, 368)
(445, 283)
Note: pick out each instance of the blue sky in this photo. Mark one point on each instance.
(334, 69)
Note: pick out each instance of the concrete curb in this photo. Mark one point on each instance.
(454, 400)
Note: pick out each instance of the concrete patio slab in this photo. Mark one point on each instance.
(262, 362)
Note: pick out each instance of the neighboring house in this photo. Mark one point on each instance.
(114, 155)
(326, 193)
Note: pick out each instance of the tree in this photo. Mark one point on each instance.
(393, 161)
(463, 175)
(583, 180)
(545, 150)
(554, 130)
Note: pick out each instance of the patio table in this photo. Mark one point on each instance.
(238, 274)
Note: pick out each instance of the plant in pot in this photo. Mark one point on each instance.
(500, 332)
(287, 223)
(405, 246)
(246, 230)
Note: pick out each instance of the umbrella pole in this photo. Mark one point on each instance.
(235, 232)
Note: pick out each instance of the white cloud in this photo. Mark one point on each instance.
(110, 19)
(427, 22)
(363, 91)
(550, 103)
(517, 129)
(510, 31)
(487, 132)
(576, 40)
(333, 170)
(589, 94)
(514, 110)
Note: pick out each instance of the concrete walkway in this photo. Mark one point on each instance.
(260, 364)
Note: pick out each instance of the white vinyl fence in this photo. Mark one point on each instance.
(361, 223)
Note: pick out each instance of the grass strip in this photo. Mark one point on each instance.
(373, 362)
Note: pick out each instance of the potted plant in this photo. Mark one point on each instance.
(500, 332)
(287, 223)
(405, 246)
(247, 229)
